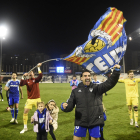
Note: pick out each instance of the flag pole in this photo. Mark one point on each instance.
(57, 59)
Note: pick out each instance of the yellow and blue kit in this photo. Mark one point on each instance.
(131, 86)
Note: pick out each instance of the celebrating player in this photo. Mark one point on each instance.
(33, 93)
(88, 100)
(131, 87)
(13, 87)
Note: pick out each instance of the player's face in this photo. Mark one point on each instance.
(131, 75)
(41, 107)
(51, 105)
(74, 78)
(86, 78)
(31, 75)
(14, 76)
(95, 77)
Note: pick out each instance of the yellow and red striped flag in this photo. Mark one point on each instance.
(106, 43)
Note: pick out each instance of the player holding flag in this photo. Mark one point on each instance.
(13, 86)
(33, 93)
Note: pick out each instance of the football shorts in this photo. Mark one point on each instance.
(80, 131)
(32, 102)
(132, 100)
(13, 100)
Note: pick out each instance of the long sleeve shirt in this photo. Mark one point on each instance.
(131, 86)
(32, 86)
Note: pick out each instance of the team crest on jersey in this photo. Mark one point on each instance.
(90, 89)
(79, 90)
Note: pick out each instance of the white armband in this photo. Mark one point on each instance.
(39, 70)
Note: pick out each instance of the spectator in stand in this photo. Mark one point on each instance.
(74, 82)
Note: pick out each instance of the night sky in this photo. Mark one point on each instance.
(56, 27)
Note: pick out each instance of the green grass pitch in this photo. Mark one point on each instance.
(116, 127)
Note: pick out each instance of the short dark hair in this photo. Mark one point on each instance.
(14, 72)
(74, 75)
(84, 72)
(94, 74)
(130, 71)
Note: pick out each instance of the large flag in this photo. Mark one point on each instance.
(105, 46)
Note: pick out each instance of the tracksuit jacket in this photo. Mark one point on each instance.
(88, 101)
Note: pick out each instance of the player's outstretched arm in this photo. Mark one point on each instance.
(110, 82)
(38, 79)
(121, 80)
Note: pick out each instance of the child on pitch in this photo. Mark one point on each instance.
(51, 106)
(41, 120)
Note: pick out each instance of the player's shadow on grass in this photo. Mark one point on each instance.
(3, 111)
(132, 136)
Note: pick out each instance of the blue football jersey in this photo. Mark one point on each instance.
(13, 87)
(97, 82)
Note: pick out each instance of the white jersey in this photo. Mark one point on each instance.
(97, 82)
